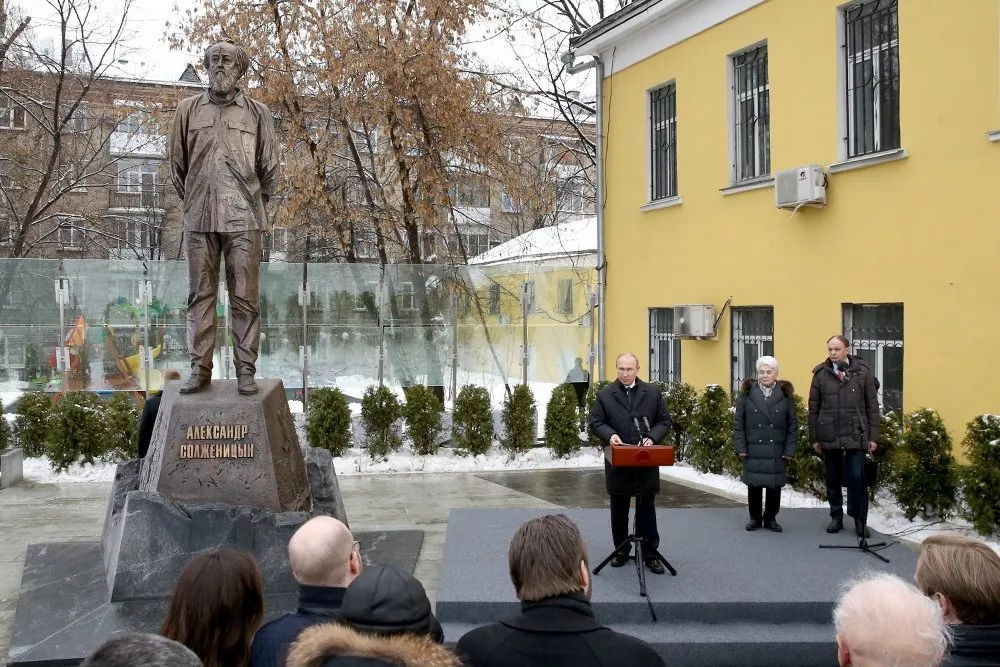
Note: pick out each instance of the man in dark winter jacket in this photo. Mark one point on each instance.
(324, 559)
(385, 620)
(843, 426)
(622, 413)
(556, 626)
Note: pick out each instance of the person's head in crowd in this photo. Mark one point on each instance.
(216, 606)
(883, 621)
(323, 552)
(131, 649)
(547, 558)
(627, 365)
(767, 371)
(963, 576)
(838, 349)
(384, 600)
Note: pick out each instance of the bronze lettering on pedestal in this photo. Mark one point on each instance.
(217, 450)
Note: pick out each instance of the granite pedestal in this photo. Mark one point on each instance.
(739, 598)
(11, 466)
(223, 470)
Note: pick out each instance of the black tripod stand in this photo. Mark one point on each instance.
(633, 539)
(863, 544)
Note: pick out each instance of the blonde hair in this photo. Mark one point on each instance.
(964, 570)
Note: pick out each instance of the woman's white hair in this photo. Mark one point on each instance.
(768, 361)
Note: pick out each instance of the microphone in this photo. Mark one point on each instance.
(635, 422)
(645, 422)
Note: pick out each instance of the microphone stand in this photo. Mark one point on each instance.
(863, 544)
(633, 539)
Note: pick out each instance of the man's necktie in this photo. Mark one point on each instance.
(841, 375)
(628, 397)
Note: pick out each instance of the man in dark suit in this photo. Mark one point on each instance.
(620, 417)
(549, 569)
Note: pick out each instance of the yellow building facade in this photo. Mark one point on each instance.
(897, 103)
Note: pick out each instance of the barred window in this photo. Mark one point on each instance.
(876, 334)
(664, 347)
(752, 337)
(751, 115)
(663, 142)
(871, 51)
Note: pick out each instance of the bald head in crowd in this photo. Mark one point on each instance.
(322, 553)
(883, 621)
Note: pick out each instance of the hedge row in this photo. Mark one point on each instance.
(77, 427)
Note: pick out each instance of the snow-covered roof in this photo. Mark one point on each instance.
(567, 239)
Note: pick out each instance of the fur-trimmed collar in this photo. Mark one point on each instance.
(320, 642)
(785, 385)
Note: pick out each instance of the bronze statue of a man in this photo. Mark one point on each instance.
(224, 164)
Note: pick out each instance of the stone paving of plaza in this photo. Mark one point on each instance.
(33, 513)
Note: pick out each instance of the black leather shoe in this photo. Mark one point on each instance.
(836, 525)
(773, 525)
(620, 560)
(194, 384)
(655, 566)
(857, 529)
(245, 385)
(753, 524)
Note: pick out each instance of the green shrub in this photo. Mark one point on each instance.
(519, 420)
(422, 412)
(561, 433)
(328, 420)
(890, 438)
(981, 478)
(4, 430)
(924, 476)
(592, 438)
(121, 418)
(472, 421)
(77, 430)
(31, 427)
(712, 438)
(807, 470)
(380, 410)
(682, 401)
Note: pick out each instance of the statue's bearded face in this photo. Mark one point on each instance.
(223, 68)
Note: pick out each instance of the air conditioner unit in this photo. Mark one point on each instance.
(802, 186)
(694, 321)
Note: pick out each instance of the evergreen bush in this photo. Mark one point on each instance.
(328, 420)
(76, 430)
(472, 421)
(5, 439)
(592, 438)
(422, 412)
(890, 438)
(807, 470)
(712, 447)
(924, 476)
(981, 478)
(519, 420)
(31, 428)
(561, 433)
(682, 400)
(380, 410)
(121, 418)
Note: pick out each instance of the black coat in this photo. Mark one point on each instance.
(766, 430)
(317, 605)
(333, 645)
(974, 646)
(843, 414)
(556, 632)
(611, 415)
(146, 422)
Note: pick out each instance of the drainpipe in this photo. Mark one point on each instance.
(568, 59)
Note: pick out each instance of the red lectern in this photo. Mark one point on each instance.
(636, 456)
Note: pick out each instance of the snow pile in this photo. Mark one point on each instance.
(358, 462)
(40, 470)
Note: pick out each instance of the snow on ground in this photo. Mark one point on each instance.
(358, 462)
(40, 470)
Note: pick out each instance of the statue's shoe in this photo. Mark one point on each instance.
(246, 385)
(194, 384)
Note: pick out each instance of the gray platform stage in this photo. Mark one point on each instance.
(739, 598)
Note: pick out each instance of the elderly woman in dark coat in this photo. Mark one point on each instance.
(766, 431)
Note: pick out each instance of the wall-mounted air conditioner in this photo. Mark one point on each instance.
(694, 321)
(802, 186)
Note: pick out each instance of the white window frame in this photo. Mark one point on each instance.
(845, 88)
(737, 129)
(9, 115)
(405, 296)
(72, 233)
(672, 162)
